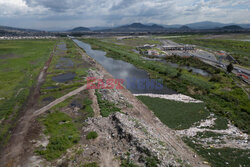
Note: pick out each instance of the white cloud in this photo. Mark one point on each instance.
(69, 13)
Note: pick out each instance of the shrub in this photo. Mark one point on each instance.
(93, 164)
(215, 78)
(91, 135)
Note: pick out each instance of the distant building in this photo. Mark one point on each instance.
(153, 52)
(147, 46)
(173, 48)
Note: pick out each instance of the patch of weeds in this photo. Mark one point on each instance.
(92, 164)
(208, 134)
(220, 123)
(106, 107)
(87, 107)
(128, 163)
(91, 135)
(152, 161)
(176, 115)
(63, 135)
(219, 157)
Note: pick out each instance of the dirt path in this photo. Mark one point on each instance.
(10, 155)
(94, 105)
(107, 159)
(57, 101)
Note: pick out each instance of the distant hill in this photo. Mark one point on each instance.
(11, 29)
(213, 25)
(99, 28)
(184, 28)
(205, 25)
(79, 29)
(137, 27)
(232, 27)
(245, 25)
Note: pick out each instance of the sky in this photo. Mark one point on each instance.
(65, 14)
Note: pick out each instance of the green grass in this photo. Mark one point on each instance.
(91, 135)
(87, 109)
(93, 164)
(133, 42)
(221, 96)
(208, 134)
(176, 115)
(193, 62)
(239, 49)
(61, 89)
(106, 107)
(220, 157)
(127, 163)
(221, 123)
(20, 63)
(62, 133)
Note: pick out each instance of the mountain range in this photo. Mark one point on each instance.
(138, 27)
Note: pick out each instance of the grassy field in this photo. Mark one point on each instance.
(20, 63)
(132, 42)
(238, 49)
(176, 115)
(73, 64)
(63, 128)
(62, 132)
(219, 91)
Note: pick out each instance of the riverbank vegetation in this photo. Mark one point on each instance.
(106, 107)
(174, 114)
(221, 96)
(219, 157)
(63, 122)
(63, 128)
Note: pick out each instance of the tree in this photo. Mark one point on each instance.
(230, 67)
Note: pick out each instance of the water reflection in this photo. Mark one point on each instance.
(126, 71)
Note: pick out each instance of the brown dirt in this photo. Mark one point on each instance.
(94, 105)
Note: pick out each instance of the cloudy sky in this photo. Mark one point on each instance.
(63, 14)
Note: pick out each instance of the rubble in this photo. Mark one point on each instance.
(125, 134)
(175, 97)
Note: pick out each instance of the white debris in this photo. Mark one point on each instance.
(175, 97)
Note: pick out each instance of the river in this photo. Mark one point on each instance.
(135, 80)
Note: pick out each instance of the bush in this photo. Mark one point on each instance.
(230, 68)
(215, 78)
(93, 164)
(128, 163)
(91, 135)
